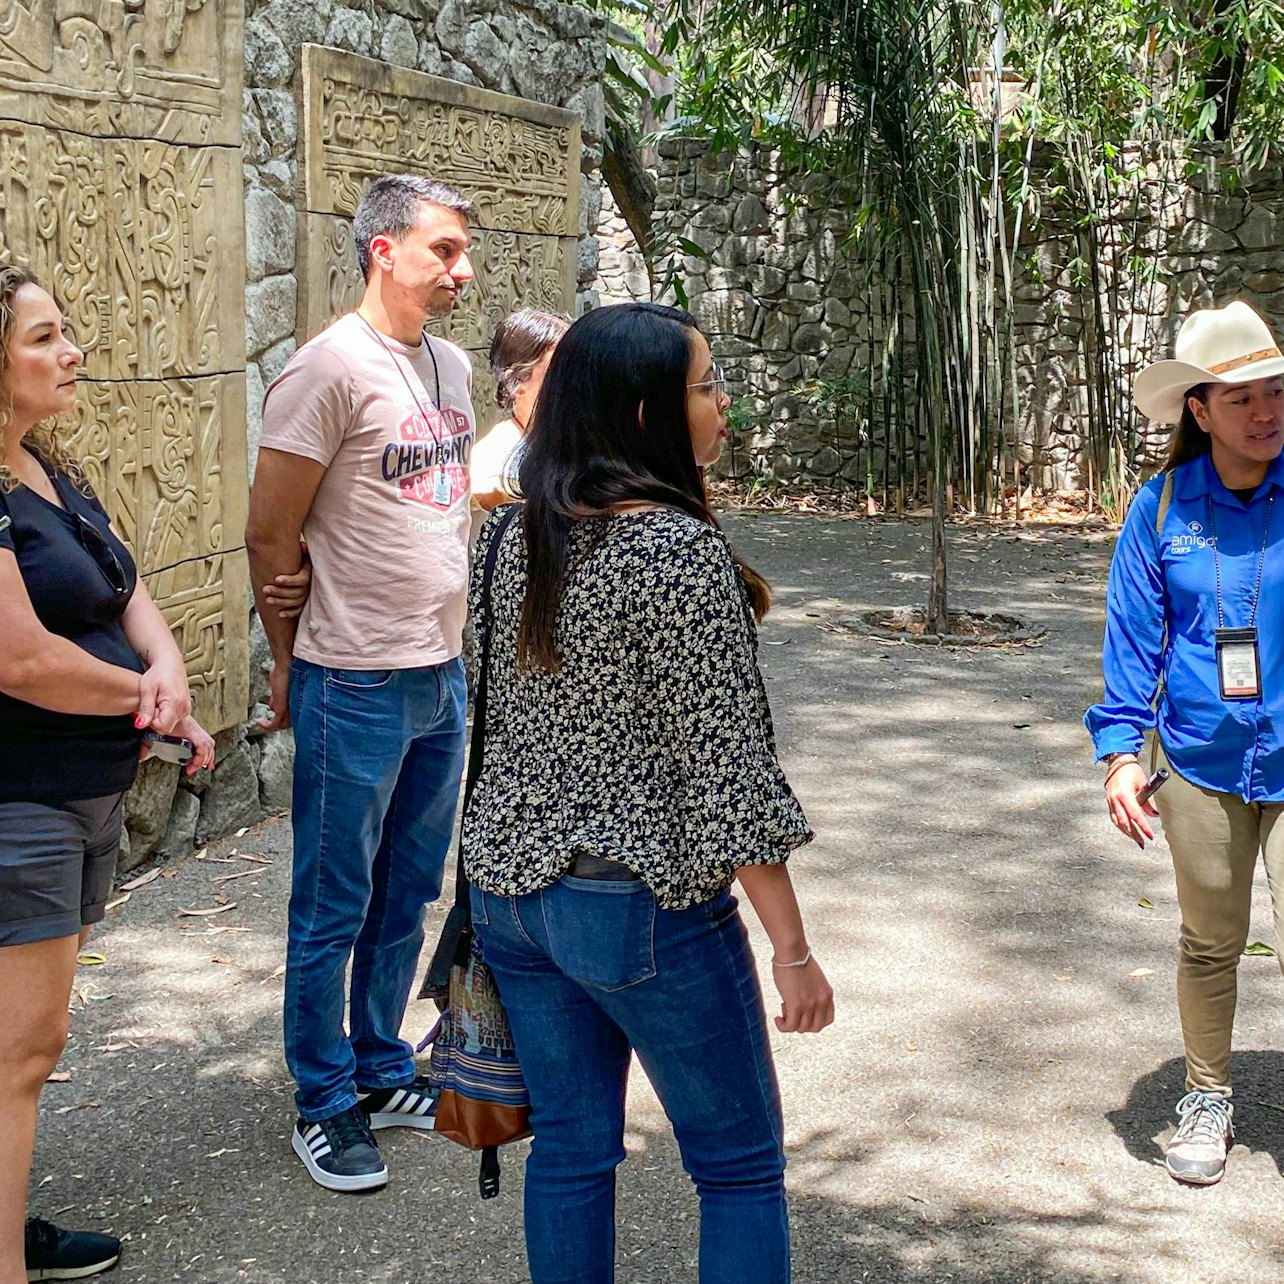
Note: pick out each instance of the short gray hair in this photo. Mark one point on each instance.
(390, 208)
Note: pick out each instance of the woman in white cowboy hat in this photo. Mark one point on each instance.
(1194, 651)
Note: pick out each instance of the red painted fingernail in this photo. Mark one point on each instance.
(140, 722)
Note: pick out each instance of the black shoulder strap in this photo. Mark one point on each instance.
(477, 743)
(456, 932)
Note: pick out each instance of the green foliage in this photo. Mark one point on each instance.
(845, 400)
(944, 176)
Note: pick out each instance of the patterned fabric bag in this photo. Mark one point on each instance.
(482, 1101)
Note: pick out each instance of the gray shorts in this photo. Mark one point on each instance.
(56, 866)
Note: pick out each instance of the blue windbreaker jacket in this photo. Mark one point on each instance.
(1232, 746)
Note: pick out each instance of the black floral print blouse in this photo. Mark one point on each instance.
(653, 744)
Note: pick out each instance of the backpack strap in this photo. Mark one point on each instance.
(1165, 499)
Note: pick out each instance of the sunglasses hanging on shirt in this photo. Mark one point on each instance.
(95, 544)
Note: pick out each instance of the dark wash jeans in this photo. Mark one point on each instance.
(376, 777)
(591, 971)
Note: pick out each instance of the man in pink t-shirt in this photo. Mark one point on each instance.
(367, 435)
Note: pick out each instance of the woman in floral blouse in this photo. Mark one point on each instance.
(629, 777)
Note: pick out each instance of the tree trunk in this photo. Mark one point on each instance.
(1225, 78)
(663, 87)
(938, 614)
(631, 185)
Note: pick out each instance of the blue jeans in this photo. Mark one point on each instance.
(590, 971)
(376, 778)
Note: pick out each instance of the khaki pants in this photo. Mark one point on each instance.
(1215, 839)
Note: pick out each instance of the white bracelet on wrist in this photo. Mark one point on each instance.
(802, 962)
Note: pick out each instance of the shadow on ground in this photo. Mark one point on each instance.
(1259, 1115)
(986, 1107)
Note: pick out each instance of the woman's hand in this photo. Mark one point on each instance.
(289, 593)
(202, 742)
(164, 699)
(806, 998)
(1129, 816)
(203, 758)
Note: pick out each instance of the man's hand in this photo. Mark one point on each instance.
(278, 677)
(289, 593)
(280, 499)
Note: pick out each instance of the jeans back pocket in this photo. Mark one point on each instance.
(359, 679)
(601, 934)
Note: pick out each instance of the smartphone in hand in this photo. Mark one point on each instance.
(175, 749)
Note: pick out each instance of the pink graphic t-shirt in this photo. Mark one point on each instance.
(388, 530)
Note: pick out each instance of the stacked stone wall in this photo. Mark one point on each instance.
(621, 267)
(1189, 242)
(784, 303)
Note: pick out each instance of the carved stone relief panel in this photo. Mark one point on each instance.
(157, 455)
(519, 161)
(140, 240)
(174, 249)
(169, 69)
(206, 605)
(484, 393)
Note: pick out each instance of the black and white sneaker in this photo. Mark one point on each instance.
(340, 1153)
(57, 1254)
(413, 1105)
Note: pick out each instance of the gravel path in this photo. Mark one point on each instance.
(988, 1106)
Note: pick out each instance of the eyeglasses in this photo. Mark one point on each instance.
(92, 541)
(718, 383)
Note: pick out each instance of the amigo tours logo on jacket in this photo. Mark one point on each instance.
(1192, 538)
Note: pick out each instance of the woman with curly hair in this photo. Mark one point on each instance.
(87, 665)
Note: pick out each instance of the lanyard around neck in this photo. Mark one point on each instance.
(436, 376)
(1261, 561)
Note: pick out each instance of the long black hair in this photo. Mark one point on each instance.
(1189, 441)
(610, 427)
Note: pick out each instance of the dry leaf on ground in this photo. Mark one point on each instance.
(204, 913)
(141, 881)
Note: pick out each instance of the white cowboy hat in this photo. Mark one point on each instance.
(1218, 345)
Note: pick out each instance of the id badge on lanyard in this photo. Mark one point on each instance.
(441, 487)
(1239, 667)
(1239, 663)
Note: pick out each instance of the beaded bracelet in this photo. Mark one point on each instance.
(802, 962)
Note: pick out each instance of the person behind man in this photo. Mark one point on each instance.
(519, 357)
(367, 435)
